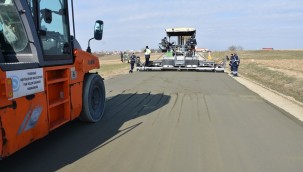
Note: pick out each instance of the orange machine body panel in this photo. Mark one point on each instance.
(23, 123)
(84, 62)
(27, 118)
(76, 99)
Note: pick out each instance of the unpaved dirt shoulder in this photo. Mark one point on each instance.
(293, 108)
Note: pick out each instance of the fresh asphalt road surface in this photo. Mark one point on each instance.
(172, 121)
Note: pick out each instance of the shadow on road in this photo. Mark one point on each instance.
(73, 141)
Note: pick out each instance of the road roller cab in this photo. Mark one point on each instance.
(44, 74)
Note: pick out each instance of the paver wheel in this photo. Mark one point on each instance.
(93, 98)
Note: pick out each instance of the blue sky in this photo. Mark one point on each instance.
(133, 24)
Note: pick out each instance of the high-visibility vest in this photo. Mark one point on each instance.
(147, 51)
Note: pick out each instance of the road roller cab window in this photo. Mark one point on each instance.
(53, 30)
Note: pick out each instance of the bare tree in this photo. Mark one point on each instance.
(232, 48)
(235, 48)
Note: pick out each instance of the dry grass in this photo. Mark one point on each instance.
(281, 71)
(111, 65)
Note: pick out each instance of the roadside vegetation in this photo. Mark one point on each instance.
(278, 70)
(111, 66)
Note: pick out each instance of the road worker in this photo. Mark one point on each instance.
(235, 62)
(230, 62)
(138, 62)
(147, 55)
(133, 59)
(121, 55)
(193, 43)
